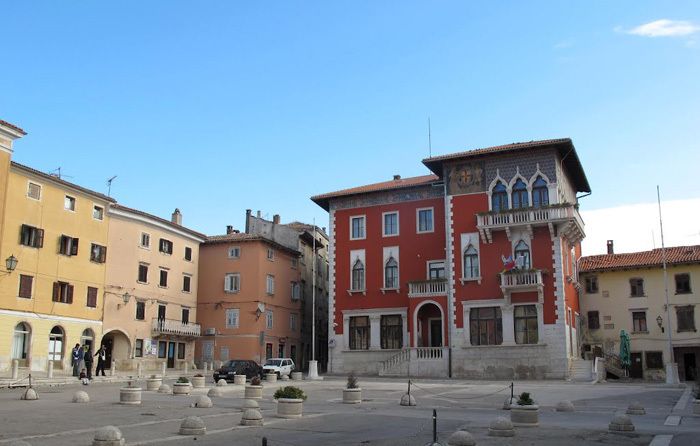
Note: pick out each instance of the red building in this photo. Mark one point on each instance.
(467, 272)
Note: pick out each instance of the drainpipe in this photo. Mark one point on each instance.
(450, 279)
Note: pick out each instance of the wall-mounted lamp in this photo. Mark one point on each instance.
(11, 263)
(660, 322)
(125, 299)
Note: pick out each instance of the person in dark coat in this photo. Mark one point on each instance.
(76, 357)
(88, 361)
(101, 359)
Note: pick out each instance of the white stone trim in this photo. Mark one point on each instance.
(398, 223)
(415, 320)
(374, 315)
(364, 219)
(32, 315)
(389, 252)
(432, 210)
(466, 239)
(489, 190)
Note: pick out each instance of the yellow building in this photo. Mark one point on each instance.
(58, 232)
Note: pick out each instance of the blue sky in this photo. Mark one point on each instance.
(234, 105)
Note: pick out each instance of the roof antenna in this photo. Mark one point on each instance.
(430, 143)
(109, 185)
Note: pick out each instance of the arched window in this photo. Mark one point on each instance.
(540, 193)
(499, 197)
(20, 341)
(56, 344)
(358, 276)
(522, 255)
(87, 338)
(520, 195)
(391, 274)
(471, 263)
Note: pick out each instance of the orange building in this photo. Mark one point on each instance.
(248, 300)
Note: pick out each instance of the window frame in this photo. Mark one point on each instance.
(188, 254)
(528, 329)
(230, 318)
(20, 288)
(62, 292)
(101, 214)
(639, 324)
(138, 275)
(140, 305)
(363, 343)
(391, 335)
(539, 191)
(589, 281)
(432, 220)
(654, 364)
(293, 322)
(91, 298)
(430, 269)
(31, 236)
(384, 225)
(690, 308)
(473, 260)
(29, 187)
(72, 200)
(689, 289)
(527, 262)
(519, 191)
(635, 287)
(237, 276)
(231, 249)
(101, 253)
(269, 320)
(162, 273)
(589, 315)
(270, 284)
(361, 278)
(362, 218)
(499, 196)
(147, 237)
(138, 348)
(493, 330)
(186, 283)
(165, 246)
(395, 285)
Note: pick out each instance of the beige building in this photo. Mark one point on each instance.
(626, 292)
(151, 290)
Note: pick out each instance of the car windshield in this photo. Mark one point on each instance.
(275, 362)
(233, 364)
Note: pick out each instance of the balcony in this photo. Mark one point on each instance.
(561, 219)
(173, 327)
(427, 288)
(518, 281)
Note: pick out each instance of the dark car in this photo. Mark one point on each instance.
(238, 367)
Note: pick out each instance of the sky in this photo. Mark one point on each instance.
(226, 106)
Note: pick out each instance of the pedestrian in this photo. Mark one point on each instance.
(101, 358)
(76, 357)
(88, 361)
(83, 378)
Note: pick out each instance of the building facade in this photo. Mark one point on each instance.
(467, 272)
(151, 290)
(627, 292)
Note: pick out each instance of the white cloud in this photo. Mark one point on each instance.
(663, 28)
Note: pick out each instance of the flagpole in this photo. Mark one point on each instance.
(671, 370)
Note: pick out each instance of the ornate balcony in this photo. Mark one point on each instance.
(427, 288)
(561, 219)
(527, 280)
(176, 328)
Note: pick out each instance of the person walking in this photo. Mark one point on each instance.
(76, 357)
(88, 361)
(101, 358)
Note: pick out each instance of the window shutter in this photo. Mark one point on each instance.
(25, 286)
(103, 254)
(22, 230)
(56, 287)
(74, 247)
(70, 294)
(39, 238)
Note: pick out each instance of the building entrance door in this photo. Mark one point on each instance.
(435, 333)
(636, 370)
(171, 355)
(689, 366)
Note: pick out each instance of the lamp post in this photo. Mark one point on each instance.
(11, 263)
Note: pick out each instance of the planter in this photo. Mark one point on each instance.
(696, 407)
(296, 376)
(290, 408)
(525, 416)
(352, 396)
(239, 379)
(271, 377)
(182, 388)
(153, 384)
(253, 392)
(198, 382)
(130, 396)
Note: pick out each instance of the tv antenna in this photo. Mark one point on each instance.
(57, 173)
(430, 143)
(109, 185)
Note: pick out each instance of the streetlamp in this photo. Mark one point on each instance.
(11, 263)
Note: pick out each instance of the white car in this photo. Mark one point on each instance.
(279, 366)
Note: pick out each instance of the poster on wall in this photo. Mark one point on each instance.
(154, 347)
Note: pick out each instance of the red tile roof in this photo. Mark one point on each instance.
(677, 255)
(13, 127)
(322, 200)
(245, 237)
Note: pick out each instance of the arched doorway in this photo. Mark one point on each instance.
(117, 347)
(20, 343)
(88, 338)
(56, 344)
(429, 325)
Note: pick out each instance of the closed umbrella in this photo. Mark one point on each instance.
(625, 358)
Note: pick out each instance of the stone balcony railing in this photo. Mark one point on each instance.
(175, 327)
(565, 217)
(427, 288)
(518, 281)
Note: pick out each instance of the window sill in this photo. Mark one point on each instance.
(142, 283)
(640, 332)
(425, 232)
(683, 292)
(689, 330)
(351, 292)
(163, 287)
(636, 297)
(147, 248)
(464, 280)
(385, 290)
(357, 238)
(187, 291)
(232, 291)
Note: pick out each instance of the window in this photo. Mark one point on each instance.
(143, 273)
(486, 326)
(234, 253)
(391, 224)
(522, 255)
(270, 319)
(540, 193)
(138, 349)
(358, 276)
(268, 350)
(98, 253)
(20, 341)
(519, 195)
(145, 240)
(591, 284)
(185, 316)
(425, 220)
(69, 203)
(91, 297)
(295, 263)
(25, 286)
(686, 318)
(232, 318)
(68, 246)
(181, 350)
(34, 191)
(525, 317)
(62, 292)
(163, 278)
(270, 254)
(31, 236)
(637, 287)
(165, 246)
(593, 320)
(436, 270)
(98, 212)
(56, 344)
(391, 274)
(359, 333)
(270, 284)
(162, 348)
(391, 332)
(499, 197)
(188, 253)
(140, 310)
(654, 360)
(296, 291)
(232, 283)
(186, 283)
(682, 283)
(471, 263)
(357, 228)
(639, 321)
(292, 322)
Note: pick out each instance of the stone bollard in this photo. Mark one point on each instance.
(108, 436)
(297, 376)
(250, 404)
(49, 374)
(29, 395)
(408, 400)
(636, 408)
(130, 396)
(221, 383)
(284, 377)
(239, 380)
(139, 369)
(113, 369)
(15, 369)
(461, 438)
(192, 426)
(621, 423)
(164, 388)
(565, 406)
(215, 392)
(163, 367)
(501, 427)
(271, 377)
(81, 397)
(252, 417)
(206, 368)
(185, 368)
(203, 402)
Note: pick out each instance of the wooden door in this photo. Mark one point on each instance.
(636, 369)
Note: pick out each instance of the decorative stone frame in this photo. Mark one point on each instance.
(374, 326)
(507, 321)
(415, 320)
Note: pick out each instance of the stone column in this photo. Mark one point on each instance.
(374, 332)
(15, 369)
(139, 369)
(508, 325)
(185, 367)
(540, 323)
(346, 332)
(206, 367)
(50, 370)
(406, 337)
(113, 370)
(163, 366)
(466, 313)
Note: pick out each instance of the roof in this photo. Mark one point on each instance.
(160, 220)
(13, 127)
(564, 145)
(400, 183)
(677, 255)
(62, 182)
(244, 237)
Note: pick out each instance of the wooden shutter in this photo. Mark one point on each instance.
(39, 238)
(103, 254)
(22, 230)
(92, 297)
(25, 286)
(74, 247)
(56, 291)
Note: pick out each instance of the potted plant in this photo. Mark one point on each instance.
(696, 402)
(254, 389)
(352, 393)
(182, 386)
(153, 383)
(130, 395)
(525, 412)
(198, 381)
(290, 402)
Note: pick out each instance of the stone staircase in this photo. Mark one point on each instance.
(581, 370)
(396, 365)
(614, 367)
(427, 362)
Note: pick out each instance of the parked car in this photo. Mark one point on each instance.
(238, 367)
(280, 366)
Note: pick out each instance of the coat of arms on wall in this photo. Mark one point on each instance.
(466, 178)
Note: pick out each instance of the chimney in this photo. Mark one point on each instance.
(276, 219)
(248, 213)
(397, 177)
(259, 214)
(611, 250)
(176, 217)
(229, 229)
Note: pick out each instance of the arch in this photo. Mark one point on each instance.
(358, 275)
(415, 320)
(522, 251)
(499, 197)
(21, 341)
(117, 346)
(57, 341)
(391, 273)
(497, 179)
(88, 338)
(519, 194)
(540, 192)
(470, 262)
(539, 173)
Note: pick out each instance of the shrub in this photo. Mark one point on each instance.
(352, 381)
(290, 392)
(525, 400)
(255, 381)
(183, 380)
